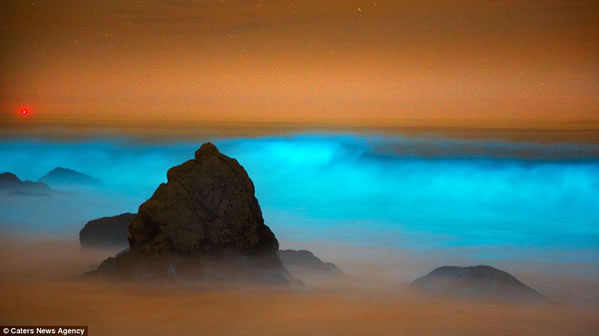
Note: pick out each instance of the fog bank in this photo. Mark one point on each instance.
(41, 284)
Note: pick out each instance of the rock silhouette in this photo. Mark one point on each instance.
(67, 177)
(476, 282)
(111, 232)
(203, 224)
(12, 185)
(303, 261)
(108, 232)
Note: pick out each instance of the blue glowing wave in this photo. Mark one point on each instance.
(355, 187)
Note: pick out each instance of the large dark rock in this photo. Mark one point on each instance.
(67, 177)
(203, 224)
(305, 262)
(12, 185)
(106, 232)
(112, 232)
(484, 282)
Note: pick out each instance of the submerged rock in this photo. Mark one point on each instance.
(106, 232)
(476, 282)
(305, 262)
(203, 224)
(68, 177)
(9, 179)
(12, 185)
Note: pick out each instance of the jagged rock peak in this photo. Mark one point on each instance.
(207, 205)
(206, 148)
(204, 223)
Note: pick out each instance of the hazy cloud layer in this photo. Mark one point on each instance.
(426, 62)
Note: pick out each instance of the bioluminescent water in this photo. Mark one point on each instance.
(391, 191)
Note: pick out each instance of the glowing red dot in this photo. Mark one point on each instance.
(24, 111)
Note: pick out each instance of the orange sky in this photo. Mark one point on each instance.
(323, 61)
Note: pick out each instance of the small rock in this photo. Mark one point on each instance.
(476, 282)
(303, 261)
(68, 177)
(13, 186)
(106, 232)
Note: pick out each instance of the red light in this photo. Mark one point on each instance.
(24, 112)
